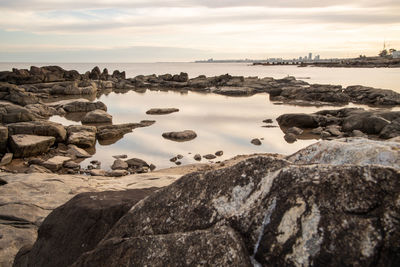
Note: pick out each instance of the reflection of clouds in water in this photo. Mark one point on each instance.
(221, 123)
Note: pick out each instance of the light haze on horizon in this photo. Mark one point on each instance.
(155, 30)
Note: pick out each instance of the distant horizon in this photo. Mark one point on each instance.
(189, 30)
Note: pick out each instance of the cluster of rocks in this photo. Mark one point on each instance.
(319, 94)
(333, 203)
(346, 122)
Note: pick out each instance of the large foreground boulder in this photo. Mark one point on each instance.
(276, 212)
(95, 213)
(25, 145)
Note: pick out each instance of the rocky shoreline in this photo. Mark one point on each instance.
(334, 202)
(29, 99)
(260, 209)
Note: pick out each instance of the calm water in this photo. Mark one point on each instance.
(221, 123)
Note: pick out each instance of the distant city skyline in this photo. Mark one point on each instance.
(155, 30)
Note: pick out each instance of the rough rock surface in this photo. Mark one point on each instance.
(24, 145)
(161, 111)
(43, 128)
(26, 199)
(95, 213)
(55, 163)
(97, 116)
(3, 139)
(344, 122)
(357, 151)
(284, 214)
(82, 136)
(10, 113)
(78, 105)
(182, 136)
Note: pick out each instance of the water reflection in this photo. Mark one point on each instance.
(221, 123)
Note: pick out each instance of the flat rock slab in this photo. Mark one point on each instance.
(161, 111)
(183, 136)
(25, 145)
(42, 128)
(55, 163)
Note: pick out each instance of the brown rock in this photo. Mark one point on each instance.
(24, 145)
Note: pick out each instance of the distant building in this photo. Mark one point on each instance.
(309, 56)
(396, 54)
(317, 57)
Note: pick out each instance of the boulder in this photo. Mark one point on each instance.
(182, 77)
(77, 152)
(78, 105)
(219, 246)
(197, 157)
(290, 138)
(136, 163)
(365, 123)
(372, 96)
(391, 130)
(182, 136)
(10, 113)
(298, 120)
(55, 163)
(81, 136)
(25, 145)
(119, 165)
(17, 95)
(43, 128)
(219, 153)
(97, 116)
(282, 213)
(94, 213)
(357, 151)
(161, 111)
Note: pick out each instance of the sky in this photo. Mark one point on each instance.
(177, 30)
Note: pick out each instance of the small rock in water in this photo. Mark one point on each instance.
(294, 130)
(178, 163)
(179, 156)
(290, 138)
(197, 157)
(256, 142)
(95, 162)
(183, 136)
(267, 121)
(219, 153)
(173, 159)
(123, 156)
(209, 156)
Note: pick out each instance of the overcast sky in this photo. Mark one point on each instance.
(162, 30)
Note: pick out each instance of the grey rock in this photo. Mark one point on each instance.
(297, 120)
(182, 136)
(290, 138)
(119, 165)
(24, 145)
(197, 157)
(209, 156)
(55, 163)
(219, 153)
(256, 142)
(97, 116)
(43, 128)
(161, 111)
(294, 130)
